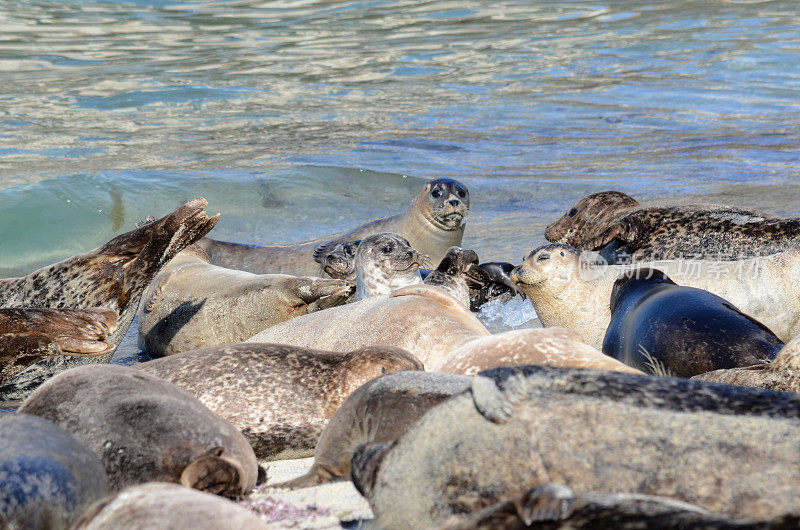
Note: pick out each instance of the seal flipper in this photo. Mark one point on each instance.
(625, 230)
(213, 473)
(316, 475)
(495, 404)
(548, 502)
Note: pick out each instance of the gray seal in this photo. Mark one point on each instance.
(385, 262)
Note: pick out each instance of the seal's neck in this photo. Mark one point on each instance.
(456, 287)
(376, 281)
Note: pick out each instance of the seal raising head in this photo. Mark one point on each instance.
(459, 274)
(338, 260)
(444, 203)
(589, 217)
(385, 262)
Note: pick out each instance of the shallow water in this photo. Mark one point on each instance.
(297, 119)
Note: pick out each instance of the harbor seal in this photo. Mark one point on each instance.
(338, 261)
(572, 289)
(28, 335)
(192, 303)
(47, 477)
(279, 396)
(718, 232)
(113, 276)
(426, 321)
(146, 429)
(664, 328)
(459, 274)
(730, 450)
(165, 505)
(380, 410)
(432, 223)
(385, 262)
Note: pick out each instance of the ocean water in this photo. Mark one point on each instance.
(301, 118)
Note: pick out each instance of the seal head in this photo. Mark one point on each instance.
(589, 217)
(444, 203)
(385, 262)
(338, 260)
(459, 274)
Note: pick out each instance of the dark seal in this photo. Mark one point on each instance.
(664, 328)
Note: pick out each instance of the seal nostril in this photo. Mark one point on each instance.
(454, 202)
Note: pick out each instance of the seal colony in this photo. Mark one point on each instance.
(502, 431)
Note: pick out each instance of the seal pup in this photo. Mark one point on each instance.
(433, 222)
(380, 410)
(782, 374)
(47, 477)
(459, 274)
(165, 505)
(664, 328)
(498, 286)
(338, 261)
(670, 232)
(146, 429)
(572, 289)
(192, 303)
(113, 276)
(521, 427)
(28, 335)
(385, 262)
(280, 397)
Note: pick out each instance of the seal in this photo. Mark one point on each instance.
(428, 322)
(47, 477)
(432, 223)
(617, 223)
(338, 261)
(782, 374)
(146, 429)
(192, 303)
(664, 328)
(28, 335)
(385, 262)
(498, 287)
(380, 410)
(280, 397)
(113, 276)
(165, 505)
(572, 289)
(460, 275)
(522, 427)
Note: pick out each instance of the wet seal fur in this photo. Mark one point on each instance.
(672, 232)
(381, 410)
(28, 335)
(660, 327)
(522, 427)
(113, 276)
(433, 222)
(165, 505)
(573, 290)
(146, 429)
(385, 262)
(193, 304)
(47, 477)
(280, 397)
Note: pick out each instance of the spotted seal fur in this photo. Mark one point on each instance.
(433, 222)
(385, 262)
(724, 233)
(339, 260)
(279, 396)
(521, 427)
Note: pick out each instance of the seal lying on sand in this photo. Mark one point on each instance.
(518, 428)
(164, 505)
(664, 328)
(385, 262)
(573, 290)
(432, 223)
(279, 396)
(672, 232)
(113, 276)
(144, 428)
(192, 303)
(782, 374)
(381, 410)
(429, 323)
(47, 477)
(28, 335)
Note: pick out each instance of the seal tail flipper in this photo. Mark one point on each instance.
(213, 473)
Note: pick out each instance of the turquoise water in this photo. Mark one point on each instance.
(297, 119)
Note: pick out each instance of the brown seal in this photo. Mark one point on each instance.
(146, 429)
(339, 260)
(113, 276)
(671, 232)
(432, 223)
(279, 396)
(380, 410)
(385, 262)
(521, 427)
(192, 303)
(165, 505)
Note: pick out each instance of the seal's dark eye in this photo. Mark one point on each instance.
(461, 193)
(573, 212)
(383, 369)
(436, 193)
(562, 253)
(543, 257)
(350, 251)
(387, 249)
